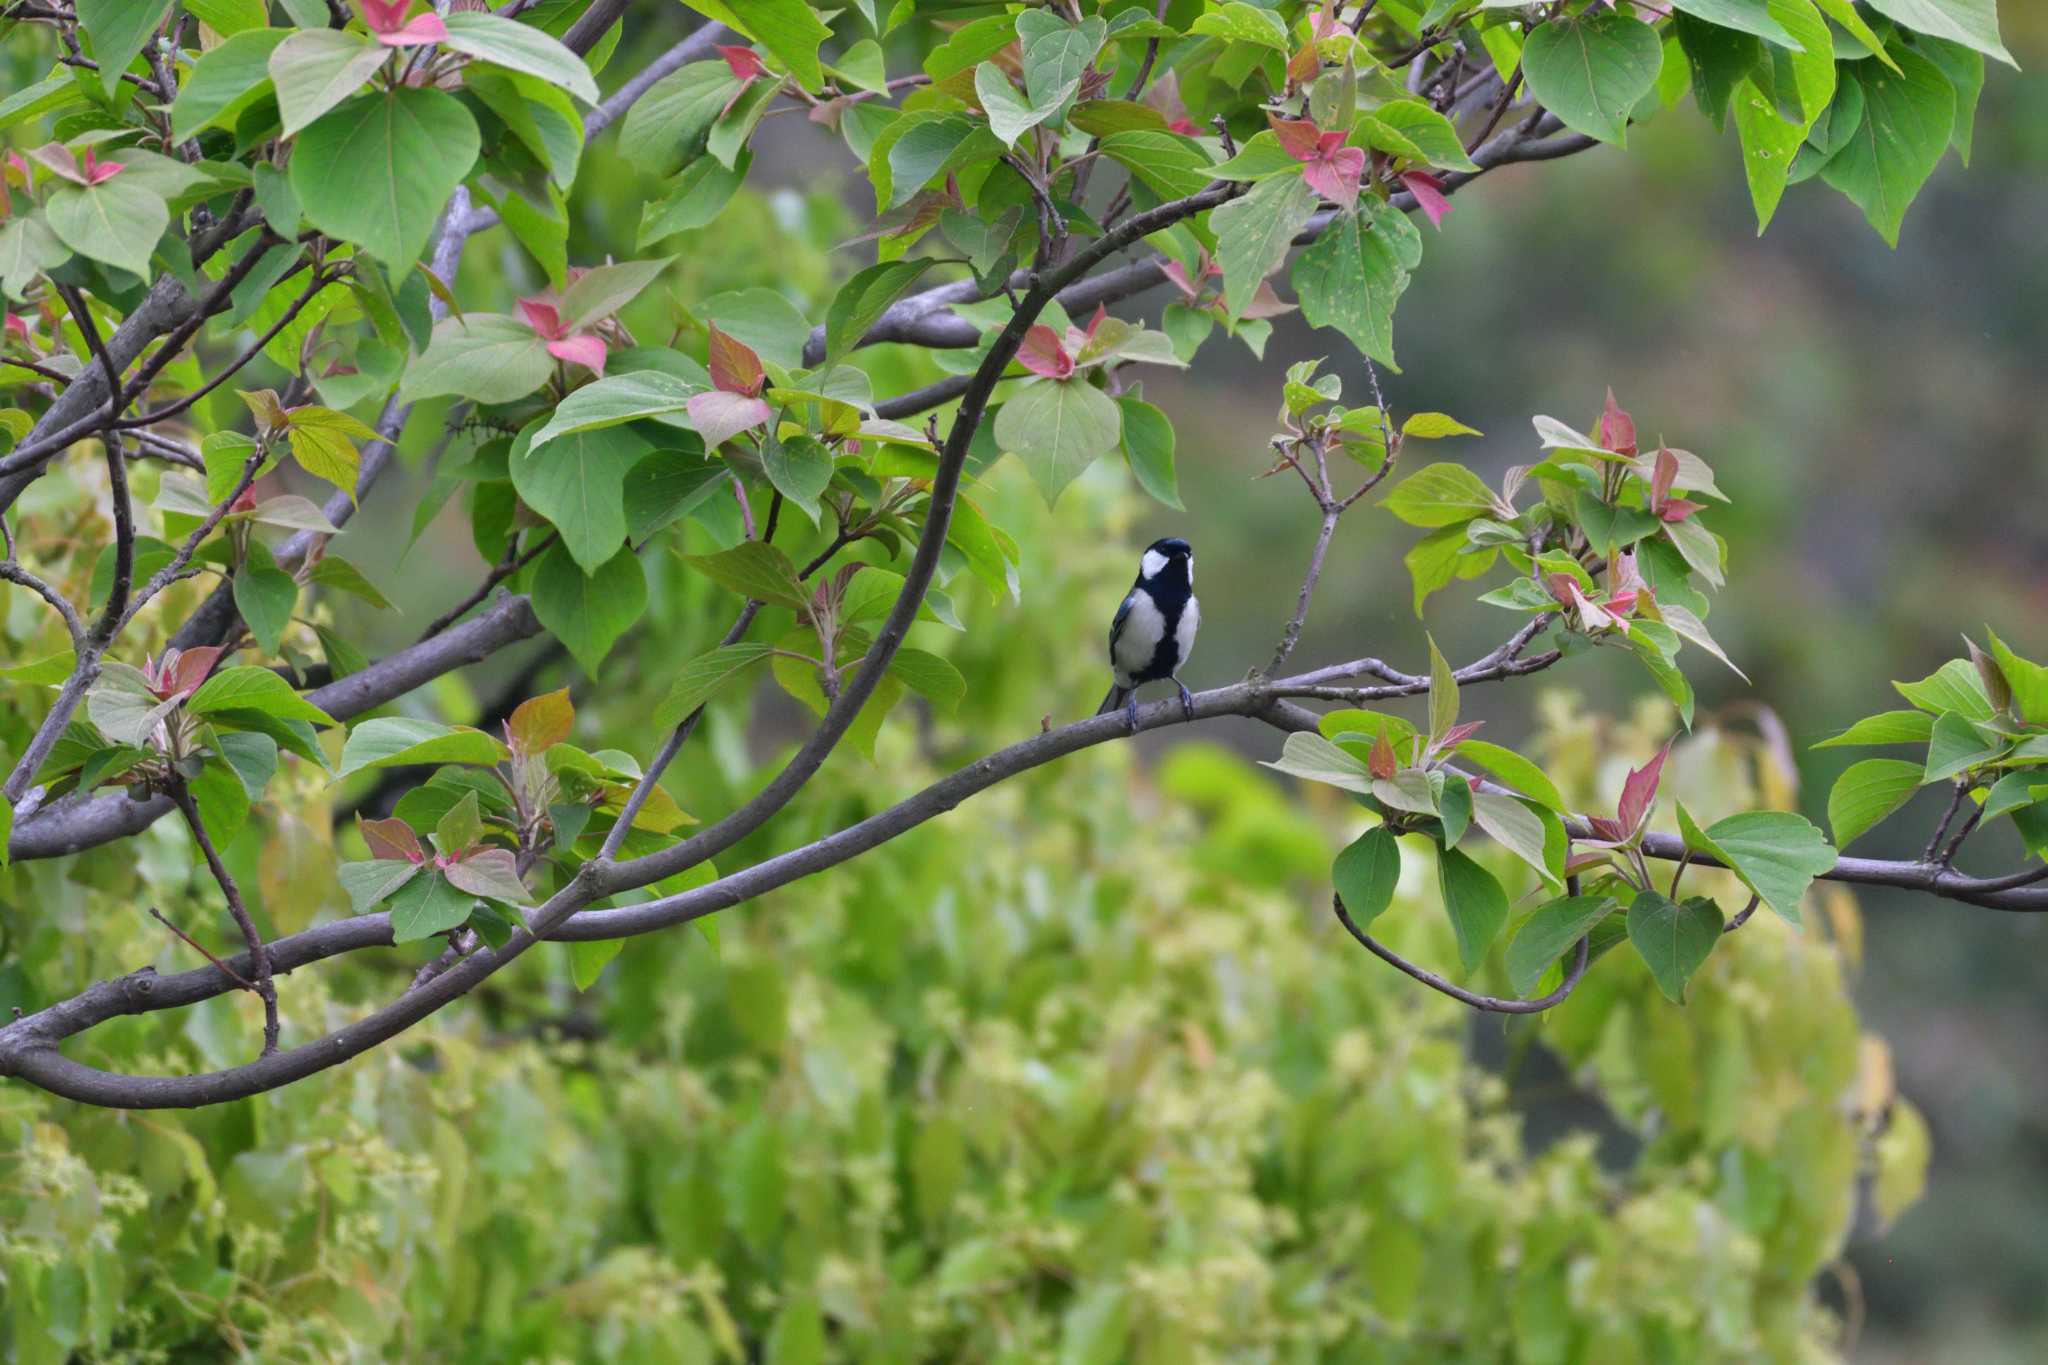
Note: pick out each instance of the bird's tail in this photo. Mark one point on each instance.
(1114, 700)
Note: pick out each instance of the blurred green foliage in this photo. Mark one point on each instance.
(1080, 1074)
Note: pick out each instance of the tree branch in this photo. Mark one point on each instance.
(1493, 1004)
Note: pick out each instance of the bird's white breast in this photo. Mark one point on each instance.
(1143, 629)
(1184, 630)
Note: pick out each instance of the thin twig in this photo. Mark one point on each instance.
(1493, 1004)
(259, 953)
(229, 972)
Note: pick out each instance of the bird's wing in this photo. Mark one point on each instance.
(1116, 627)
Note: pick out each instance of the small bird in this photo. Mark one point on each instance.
(1154, 630)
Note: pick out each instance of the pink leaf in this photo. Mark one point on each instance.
(1429, 196)
(1678, 509)
(1185, 126)
(386, 19)
(1458, 734)
(184, 672)
(1334, 174)
(1177, 275)
(542, 317)
(1664, 476)
(587, 351)
(17, 326)
(720, 415)
(1043, 354)
(492, 873)
(1617, 429)
(1265, 303)
(744, 61)
(392, 839)
(1606, 829)
(734, 366)
(1382, 763)
(1298, 136)
(1639, 793)
(98, 172)
(1327, 24)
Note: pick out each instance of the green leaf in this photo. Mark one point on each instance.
(1318, 760)
(1954, 686)
(368, 884)
(800, 468)
(225, 81)
(322, 442)
(669, 125)
(1443, 693)
(1434, 426)
(1513, 769)
(1441, 494)
(1768, 145)
(699, 680)
(1148, 448)
(223, 802)
(618, 399)
(929, 148)
(1907, 119)
(1844, 12)
(589, 957)
(247, 688)
(519, 47)
(578, 482)
(1889, 727)
(1058, 428)
(460, 828)
(862, 300)
(1592, 71)
(1428, 135)
(378, 170)
(1956, 746)
(588, 613)
(2028, 681)
(118, 29)
(1167, 163)
(1239, 22)
(485, 356)
(1548, 934)
(315, 69)
(265, 595)
(1867, 792)
(1351, 277)
(1514, 827)
(603, 290)
(694, 198)
(1746, 16)
(1010, 115)
(754, 569)
(1973, 23)
(931, 677)
(1366, 872)
(1056, 53)
(788, 28)
(1674, 939)
(425, 906)
(402, 741)
(1775, 853)
(1253, 233)
(332, 571)
(117, 221)
(1475, 902)
(1965, 71)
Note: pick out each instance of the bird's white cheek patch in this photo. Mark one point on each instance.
(1153, 564)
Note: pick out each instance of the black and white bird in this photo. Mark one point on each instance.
(1154, 630)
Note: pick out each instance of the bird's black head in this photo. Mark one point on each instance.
(1169, 557)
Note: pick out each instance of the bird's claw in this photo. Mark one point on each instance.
(1131, 711)
(1187, 703)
